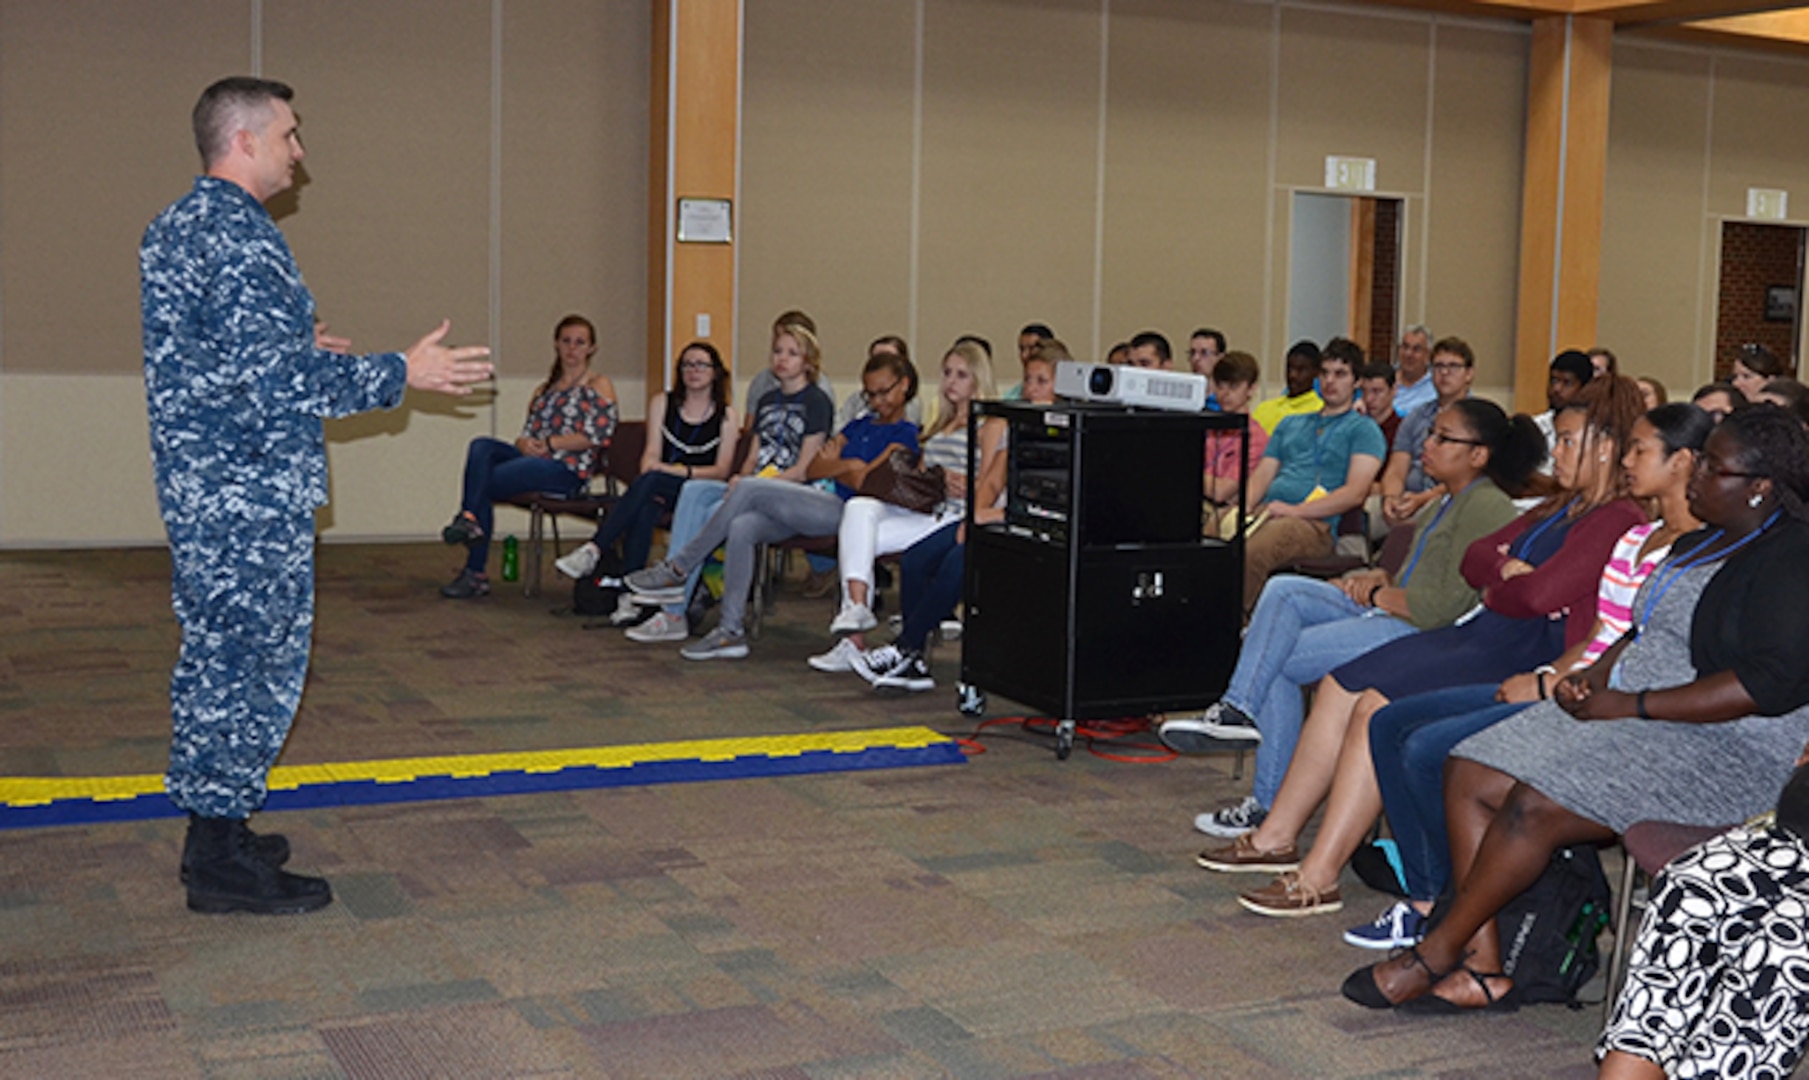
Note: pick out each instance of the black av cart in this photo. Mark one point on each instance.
(1097, 596)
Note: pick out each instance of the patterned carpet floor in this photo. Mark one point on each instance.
(1013, 916)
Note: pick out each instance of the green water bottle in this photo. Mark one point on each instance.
(511, 569)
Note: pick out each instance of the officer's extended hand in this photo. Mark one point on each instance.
(446, 370)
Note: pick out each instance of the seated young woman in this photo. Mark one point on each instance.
(695, 440)
(1693, 717)
(570, 414)
(790, 424)
(1690, 1005)
(932, 571)
(1533, 574)
(1410, 739)
(758, 510)
(871, 527)
(1304, 627)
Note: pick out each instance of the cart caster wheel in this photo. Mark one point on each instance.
(1064, 740)
(970, 700)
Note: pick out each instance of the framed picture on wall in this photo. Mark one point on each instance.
(1780, 303)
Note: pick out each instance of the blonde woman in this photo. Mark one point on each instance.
(871, 528)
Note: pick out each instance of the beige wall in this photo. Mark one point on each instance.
(1690, 131)
(482, 160)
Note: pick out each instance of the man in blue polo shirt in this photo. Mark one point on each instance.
(1317, 466)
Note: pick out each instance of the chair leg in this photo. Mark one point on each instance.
(1623, 933)
(530, 583)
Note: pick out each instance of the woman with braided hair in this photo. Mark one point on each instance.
(1693, 717)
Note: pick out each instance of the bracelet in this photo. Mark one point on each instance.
(687, 470)
(1372, 593)
(1639, 706)
(1540, 674)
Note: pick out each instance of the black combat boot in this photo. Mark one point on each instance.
(227, 873)
(273, 848)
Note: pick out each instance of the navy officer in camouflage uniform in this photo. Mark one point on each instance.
(238, 380)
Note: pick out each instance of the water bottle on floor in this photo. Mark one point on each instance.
(511, 566)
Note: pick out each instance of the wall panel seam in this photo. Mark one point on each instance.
(494, 334)
(916, 238)
(1099, 174)
(1702, 252)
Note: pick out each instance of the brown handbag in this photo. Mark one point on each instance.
(901, 479)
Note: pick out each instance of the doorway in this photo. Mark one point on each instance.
(1761, 286)
(1344, 270)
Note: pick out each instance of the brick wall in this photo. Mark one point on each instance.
(1386, 287)
(1754, 257)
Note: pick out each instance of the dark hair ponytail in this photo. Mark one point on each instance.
(1515, 444)
(1681, 426)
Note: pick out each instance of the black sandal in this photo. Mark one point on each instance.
(1433, 1005)
(1361, 986)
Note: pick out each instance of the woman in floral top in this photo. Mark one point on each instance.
(572, 413)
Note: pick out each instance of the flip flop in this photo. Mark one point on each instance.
(1430, 1004)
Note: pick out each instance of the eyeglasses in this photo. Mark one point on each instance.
(1442, 438)
(875, 395)
(1717, 471)
(696, 365)
(1449, 367)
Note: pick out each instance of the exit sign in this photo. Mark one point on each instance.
(1350, 173)
(1767, 204)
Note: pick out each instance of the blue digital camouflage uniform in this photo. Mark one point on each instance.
(237, 391)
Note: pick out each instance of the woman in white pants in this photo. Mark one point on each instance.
(871, 527)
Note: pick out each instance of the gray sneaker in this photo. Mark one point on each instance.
(718, 644)
(1232, 822)
(660, 583)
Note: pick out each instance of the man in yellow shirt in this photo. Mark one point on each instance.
(1303, 368)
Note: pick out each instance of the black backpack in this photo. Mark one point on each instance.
(595, 594)
(1548, 933)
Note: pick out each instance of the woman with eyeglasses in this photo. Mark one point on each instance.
(871, 527)
(759, 510)
(1537, 576)
(695, 440)
(1693, 717)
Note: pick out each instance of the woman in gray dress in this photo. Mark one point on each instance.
(1693, 717)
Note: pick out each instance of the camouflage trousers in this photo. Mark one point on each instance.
(243, 593)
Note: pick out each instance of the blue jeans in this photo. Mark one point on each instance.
(696, 502)
(1408, 742)
(637, 514)
(495, 470)
(931, 574)
(1302, 628)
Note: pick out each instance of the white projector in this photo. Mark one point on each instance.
(1126, 385)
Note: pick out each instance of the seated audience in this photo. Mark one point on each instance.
(871, 528)
(1398, 762)
(1693, 717)
(856, 403)
(1375, 399)
(695, 440)
(1533, 574)
(759, 510)
(789, 426)
(1303, 627)
(1302, 369)
(1604, 361)
(1316, 466)
(1651, 391)
(1412, 386)
(570, 414)
(1570, 371)
(1119, 353)
(1789, 395)
(764, 380)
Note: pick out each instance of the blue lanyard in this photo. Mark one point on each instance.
(1667, 576)
(1524, 542)
(1420, 548)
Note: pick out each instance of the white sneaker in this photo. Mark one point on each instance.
(853, 619)
(1231, 822)
(950, 630)
(580, 562)
(910, 673)
(840, 657)
(627, 611)
(664, 626)
(875, 663)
